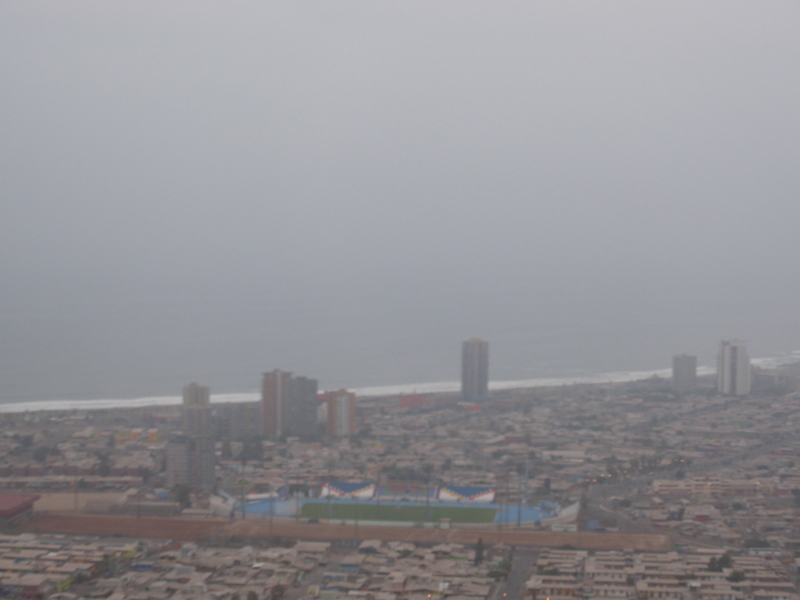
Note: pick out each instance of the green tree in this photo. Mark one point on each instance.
(145, 474)
(104, 467)
(183, 496)
(736, 576)
(252, 449)
(479, 552)
(226, 451)
(41, 453)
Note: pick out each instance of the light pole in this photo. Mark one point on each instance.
(330, 491)
(355, 530)
(297, 507)
(427, 500)
(271, 509)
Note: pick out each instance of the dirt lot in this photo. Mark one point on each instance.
(144, 527)
(86, 501)
(193, 529)
(464, 535)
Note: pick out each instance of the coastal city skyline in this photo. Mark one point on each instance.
(355, 300)
(328, 195)
(532, 492)
(683, 364)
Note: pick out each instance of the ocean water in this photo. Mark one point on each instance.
(143, 351)
(384, 390)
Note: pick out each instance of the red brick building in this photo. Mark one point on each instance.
(16, 509)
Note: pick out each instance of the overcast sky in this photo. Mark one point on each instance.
(380, 180)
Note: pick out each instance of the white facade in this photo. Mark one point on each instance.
(475, 370)
(196, 409)
(343, 424)
(341, 413)
(684, 373)
(733, 368)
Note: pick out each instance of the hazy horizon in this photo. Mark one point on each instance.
(349, 190)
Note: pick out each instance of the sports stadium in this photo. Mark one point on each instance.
(400, 504)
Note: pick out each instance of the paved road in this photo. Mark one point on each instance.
(316, 575)
(192, 529)
(513, 588)
(599, 494)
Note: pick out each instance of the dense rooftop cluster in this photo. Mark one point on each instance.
(714, 472)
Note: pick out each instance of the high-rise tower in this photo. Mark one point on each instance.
(733, 368)
(274, 391)
(475, 370)
(196, 411)
(288, 405)
(341, 407)
(190, 457)
(684, 373)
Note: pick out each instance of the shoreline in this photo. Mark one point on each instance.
(435, 387)
(440, 387)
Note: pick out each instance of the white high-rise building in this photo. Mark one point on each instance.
(733, 368)
(289, 405)
(684, 373)
(190, 457)
(196, 410)
(475, 370)
(341, 408)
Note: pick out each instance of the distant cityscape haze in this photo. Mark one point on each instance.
(349, 191)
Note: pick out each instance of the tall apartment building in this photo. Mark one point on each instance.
(239, 421)
(288, 405)
(191, 456)
(176, 470)
(733, 368)
(475, 370)
(684, 374)
(196, 409)
(341, 419)
(190, 461)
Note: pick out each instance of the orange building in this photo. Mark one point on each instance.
(341, 407)
(288, 405)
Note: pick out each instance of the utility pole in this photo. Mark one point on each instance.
(507, 498)
(243, 482)
(76, 491)
(519, 499)
(271, 509)
(330, 468)
(297, 507)
(242, 498)
(355, 530)
(378, 501)
(427, 500)
(527, 473)
(138, 509)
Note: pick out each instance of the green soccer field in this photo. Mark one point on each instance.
(393, 512)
